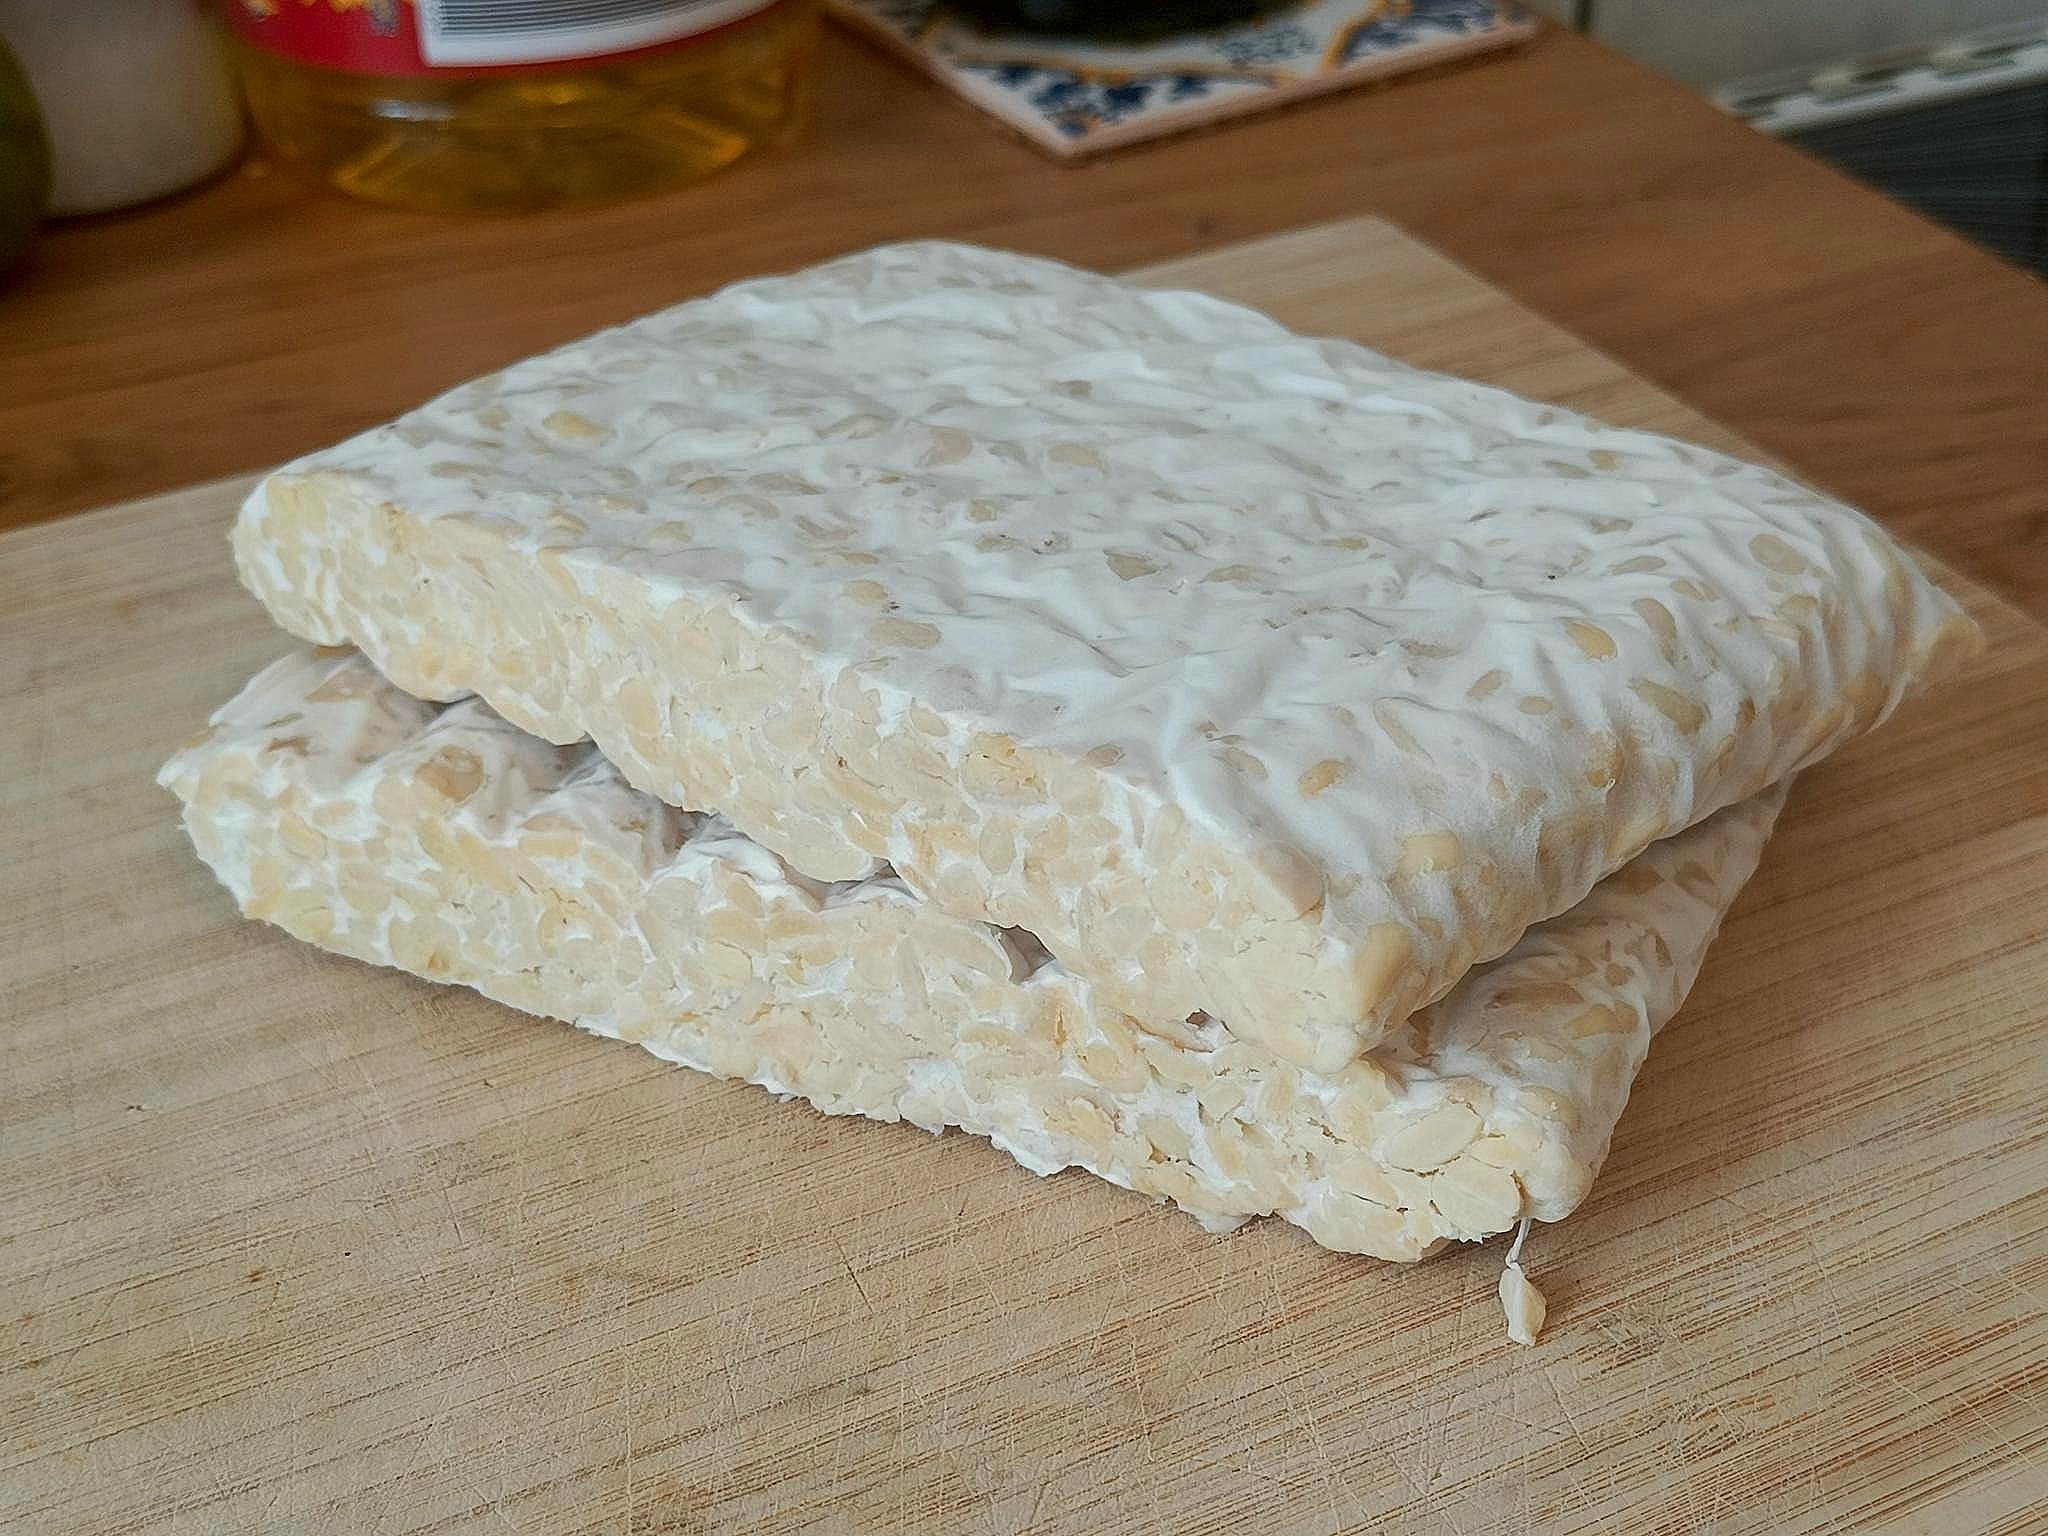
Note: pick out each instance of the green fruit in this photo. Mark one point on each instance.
(24, 161)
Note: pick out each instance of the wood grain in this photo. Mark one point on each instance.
(1897, 365)
(287, 1243)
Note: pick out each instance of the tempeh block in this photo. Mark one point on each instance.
(1256, 675)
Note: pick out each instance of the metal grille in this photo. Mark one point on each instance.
(1958, 130)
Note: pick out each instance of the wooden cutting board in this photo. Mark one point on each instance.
(290, 1244)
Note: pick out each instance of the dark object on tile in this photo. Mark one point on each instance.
(1123, 21)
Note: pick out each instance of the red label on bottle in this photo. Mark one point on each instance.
(422, 37)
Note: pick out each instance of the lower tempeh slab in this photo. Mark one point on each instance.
(447, 842)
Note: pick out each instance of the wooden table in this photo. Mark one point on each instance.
(1887, 359)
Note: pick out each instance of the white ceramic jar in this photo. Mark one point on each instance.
(137, 96)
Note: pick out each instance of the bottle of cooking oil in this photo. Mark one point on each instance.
(504, 104)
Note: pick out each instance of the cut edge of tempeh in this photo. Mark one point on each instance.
(678, 694)
(984, 828)
(448, 843)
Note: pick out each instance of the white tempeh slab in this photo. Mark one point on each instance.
(1256, 675)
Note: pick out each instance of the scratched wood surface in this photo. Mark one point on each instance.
(288, 1244)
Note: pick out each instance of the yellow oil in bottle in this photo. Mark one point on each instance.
(502, 139)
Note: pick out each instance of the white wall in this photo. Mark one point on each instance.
(1710, 42)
